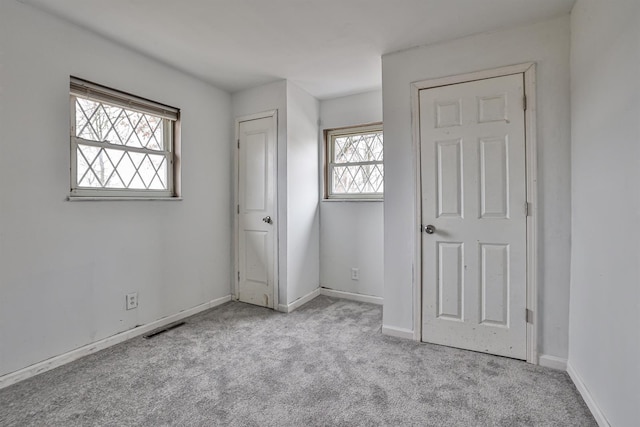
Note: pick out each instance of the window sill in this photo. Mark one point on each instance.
(121, 199)
(352, 200)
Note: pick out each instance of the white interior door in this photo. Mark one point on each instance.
(257, 236)
(473, 184)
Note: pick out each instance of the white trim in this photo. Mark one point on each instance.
(351, 296)
(416, 272)
(529, 72)
(70, 356)
(477, 75)
(397, 332)
(588, 398)
(531, 146)
(379, 200)
(553, 362)
(284, 308)
(236, 200)
(122, 199)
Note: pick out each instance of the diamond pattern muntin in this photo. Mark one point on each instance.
(358, 179)
(100, 122)
(111, 167)
(367, 177)
(358, 148)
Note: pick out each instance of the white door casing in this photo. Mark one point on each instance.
(257, 254)
(474, 193)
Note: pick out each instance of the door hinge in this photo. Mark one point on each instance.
(524, 102)
(238, 276)
(529, 315)
(527, 209)
(238, 143)
(238, 208)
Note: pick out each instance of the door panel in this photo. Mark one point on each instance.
(473, 187)
(450, 280)
(257, 243)
(255, 153)
(494, 183)
(449, 177)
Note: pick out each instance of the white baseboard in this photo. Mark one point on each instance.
(588, 398)
(350, 295)
(397, 332)
(552, 362)
(288, 308)
(70, 356)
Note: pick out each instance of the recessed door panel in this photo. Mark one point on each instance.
(494, 283)
(450, 281)
(448, 113)
(449, 178)
(492, 108)
(256, 158)
(494, 177)
(256, 248)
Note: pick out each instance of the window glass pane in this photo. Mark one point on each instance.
(362, 179)
(356, 163)
(98, 121)
(365, 147)
(111, 168)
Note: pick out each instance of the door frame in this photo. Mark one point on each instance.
(529, 72)
(235, 274)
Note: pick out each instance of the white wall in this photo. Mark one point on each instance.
(604, 332)
(65, 267)
(546, 43)
(351, 231)
(303, 224)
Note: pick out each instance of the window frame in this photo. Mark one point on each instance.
(170, 117)
(329, 136)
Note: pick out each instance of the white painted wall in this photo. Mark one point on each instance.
(65, 267)
(351, 231)
(303, 219)
(604, 332)
(546, 43)
(298, 220)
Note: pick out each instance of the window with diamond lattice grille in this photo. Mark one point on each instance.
(355, 163)
(121, 145)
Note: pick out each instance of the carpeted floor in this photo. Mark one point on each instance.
(325, 364)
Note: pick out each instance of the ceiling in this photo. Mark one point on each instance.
(328, 47)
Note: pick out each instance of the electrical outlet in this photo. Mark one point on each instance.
(355, 273)
(132, 301)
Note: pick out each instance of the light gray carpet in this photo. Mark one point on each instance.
(325, 364)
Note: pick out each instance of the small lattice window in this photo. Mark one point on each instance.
(121, 145)
(355, 163)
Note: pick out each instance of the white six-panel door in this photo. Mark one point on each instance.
(257, 248)
(473, 184)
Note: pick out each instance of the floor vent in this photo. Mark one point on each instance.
(163, 329)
